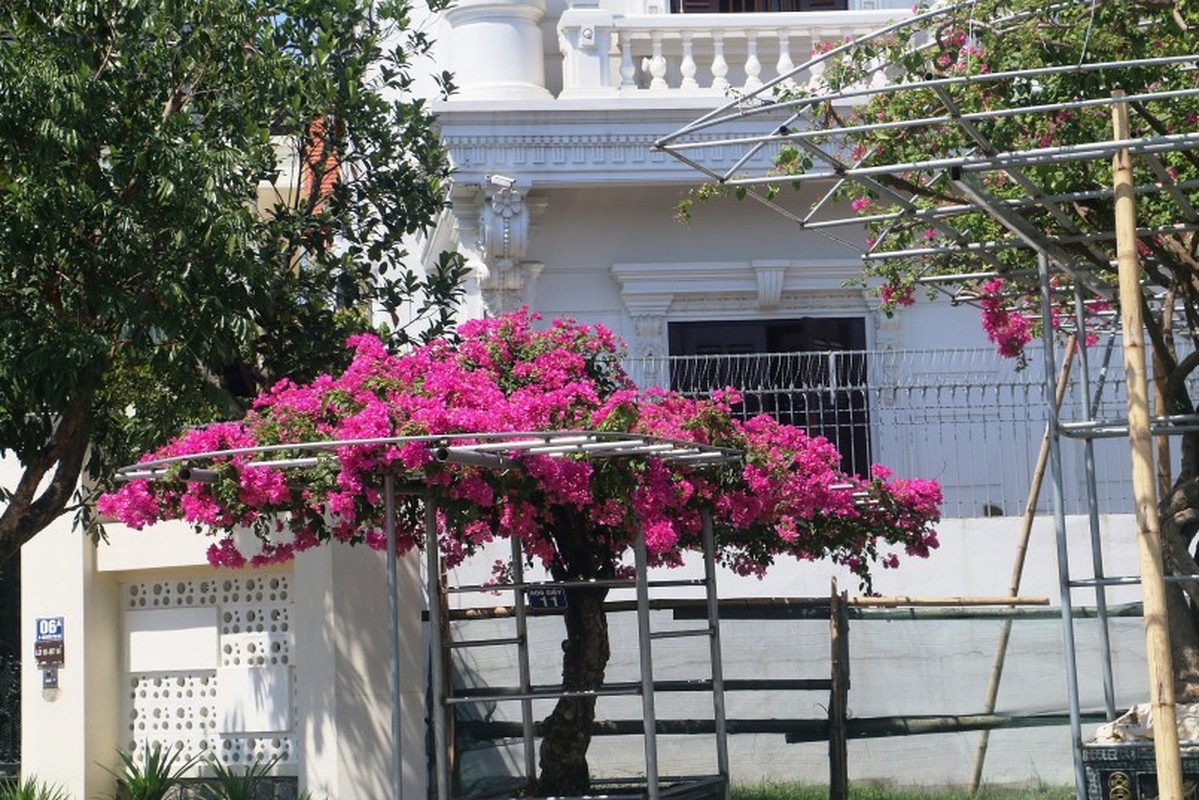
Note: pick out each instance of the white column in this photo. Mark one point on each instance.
(342, 673)
(68, 733)
(496, 50)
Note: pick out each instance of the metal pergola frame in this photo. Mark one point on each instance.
(783, 112)
(501, 451)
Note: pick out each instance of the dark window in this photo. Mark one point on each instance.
(807, 372)
(743, 6)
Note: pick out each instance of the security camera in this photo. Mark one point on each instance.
(501, 181)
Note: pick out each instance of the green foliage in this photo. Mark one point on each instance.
(152, 780)
(31, 789)
(158, 266)
(230, 783)
(1018, 113)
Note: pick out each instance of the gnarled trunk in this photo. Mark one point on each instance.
(1179, 512)
(566, 733)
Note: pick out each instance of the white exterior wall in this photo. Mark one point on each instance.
(287, 663)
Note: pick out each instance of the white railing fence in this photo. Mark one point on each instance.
(631, 55)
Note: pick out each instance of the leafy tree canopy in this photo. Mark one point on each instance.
(196, 199)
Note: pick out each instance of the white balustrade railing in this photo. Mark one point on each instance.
(630, 55)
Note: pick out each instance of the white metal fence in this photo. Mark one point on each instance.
(966, 417)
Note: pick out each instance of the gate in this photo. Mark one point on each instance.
(10, 716)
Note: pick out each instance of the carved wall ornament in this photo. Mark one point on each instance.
(503, 226)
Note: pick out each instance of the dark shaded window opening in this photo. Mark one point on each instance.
(754, 6)
(808, 372)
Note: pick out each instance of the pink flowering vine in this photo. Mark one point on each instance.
(788, 497)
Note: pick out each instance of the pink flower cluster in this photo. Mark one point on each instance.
(788, 497)
(1007, 329)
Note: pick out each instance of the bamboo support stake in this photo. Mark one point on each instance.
(1030, 513)
(1149, 544)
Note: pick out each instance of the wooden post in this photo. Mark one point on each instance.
(838, 759)
(1149, 544)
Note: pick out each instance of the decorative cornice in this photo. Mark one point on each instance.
(602, 155)
(654, 293)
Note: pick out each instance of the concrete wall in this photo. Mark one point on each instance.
(162, 648)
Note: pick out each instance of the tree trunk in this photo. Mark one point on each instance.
(36, 501)
(566, 733)
(1179, 512)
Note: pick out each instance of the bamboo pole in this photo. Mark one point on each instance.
(1149, 545)
(1030, 513)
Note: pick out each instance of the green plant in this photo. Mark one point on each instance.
(31, 789)
(151, 780)
(229, 783)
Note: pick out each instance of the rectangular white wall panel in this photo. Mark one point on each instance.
(172, 639)
(253, 700)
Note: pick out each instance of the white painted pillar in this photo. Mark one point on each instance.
(342, 673)
(496, 49)
(68, 733)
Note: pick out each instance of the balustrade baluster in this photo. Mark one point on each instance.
(720, 67)
(657, 62)
(816, 78)
(753, 66)
(687, 65)
(785, 64)
(627, 71)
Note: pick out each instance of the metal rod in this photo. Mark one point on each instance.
(610, 583)
(1059, 525)
(773, 108)
(450, 455)
(645, 646)
(547, 694)
(717, 654)
(1097, 568)
(464, 645)
(681, 634)
(522, 660)
(515, 440)
(436, 668)
(393, 618)
(196, 475)
(481, 694)
(1005, 631)
(1046, 156)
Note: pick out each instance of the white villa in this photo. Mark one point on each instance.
(560, 204)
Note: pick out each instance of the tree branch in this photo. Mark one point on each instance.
(26, 515)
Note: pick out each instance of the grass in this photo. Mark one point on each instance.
(796, 791)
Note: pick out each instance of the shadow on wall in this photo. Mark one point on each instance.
(346, 702)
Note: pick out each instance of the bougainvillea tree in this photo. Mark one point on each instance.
(1027, 87)
(577, 518)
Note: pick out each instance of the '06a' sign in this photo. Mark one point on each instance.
(48, 648)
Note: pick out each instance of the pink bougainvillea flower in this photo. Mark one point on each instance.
(577, 517)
